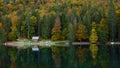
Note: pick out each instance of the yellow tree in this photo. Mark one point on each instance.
(33, 20)
(93, 37)
(94, 50)
(81, 32)
(93, 47)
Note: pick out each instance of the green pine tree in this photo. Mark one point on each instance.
(46, 58)
(2, 36)
(71, 32)
(112, 30)
(71, 60)
(118, 23)
(112, 21)
(13, 35)
(46, 30)
(103, 31)
(28, 24)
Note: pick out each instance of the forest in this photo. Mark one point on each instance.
(59, 20)
(52, 20)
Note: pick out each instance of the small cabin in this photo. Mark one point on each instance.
(35, 38)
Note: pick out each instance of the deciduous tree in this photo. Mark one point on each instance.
(93, 37)
(56, 30)
(81, 32)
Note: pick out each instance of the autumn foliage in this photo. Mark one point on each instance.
(81, 32)
(14, 19)
(54, 16)
(56, 30)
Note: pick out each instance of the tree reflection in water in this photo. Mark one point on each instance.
(106, 57)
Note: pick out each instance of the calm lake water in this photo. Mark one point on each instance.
(61, 57)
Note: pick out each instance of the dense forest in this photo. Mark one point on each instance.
(50, 19)
(59, 20)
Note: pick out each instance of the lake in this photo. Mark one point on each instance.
(103, 56)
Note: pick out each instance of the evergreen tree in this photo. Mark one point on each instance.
(7, 25)
(112, 30)
(87, 21)
(28, 24)
(112, 21)
(71, 60)
(13, 56)
(13, 35)
(71, 32)
(2, 56)
(118, 27)
(38, 27)
(46, 53)
(102, 35)
(103, 31)
(46, 30)
(103, 56)
(33, 23)
(37, 24)
(46, 58)
(64, 34)
(2, 36)
(21, 19)
(118, 23)
(24, 29)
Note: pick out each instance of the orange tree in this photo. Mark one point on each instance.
(56, 30)
(55, 36)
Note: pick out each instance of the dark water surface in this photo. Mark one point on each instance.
(60, 57)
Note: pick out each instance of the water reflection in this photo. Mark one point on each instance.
(81, 56)
(94, 50)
